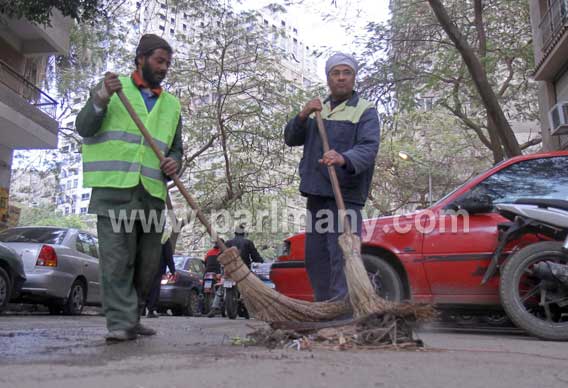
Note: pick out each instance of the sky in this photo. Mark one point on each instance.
(322, 24)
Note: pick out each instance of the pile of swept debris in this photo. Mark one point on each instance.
(374, 331)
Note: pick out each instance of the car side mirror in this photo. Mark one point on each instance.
(473, 205)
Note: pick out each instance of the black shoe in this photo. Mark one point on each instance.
(152, 314)
(143, 330)
(116, 336)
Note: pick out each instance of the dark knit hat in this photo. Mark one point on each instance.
(150, 42)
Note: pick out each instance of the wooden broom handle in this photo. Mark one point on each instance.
(332, 174)
(192, 203)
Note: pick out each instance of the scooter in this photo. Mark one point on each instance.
(534, 277)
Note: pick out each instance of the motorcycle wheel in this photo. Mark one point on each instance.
(207, 302)
(231, 303)
(533, 304)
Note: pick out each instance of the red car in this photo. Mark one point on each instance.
(434, 255)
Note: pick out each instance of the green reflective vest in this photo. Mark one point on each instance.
(117, 156)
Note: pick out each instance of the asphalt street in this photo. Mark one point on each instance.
(38, 350)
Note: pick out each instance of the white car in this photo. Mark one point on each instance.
(61, 266)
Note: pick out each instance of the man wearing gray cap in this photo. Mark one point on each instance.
(352, 126)
(129, 182)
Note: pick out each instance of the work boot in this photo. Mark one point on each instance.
(116, 336)
(152, 314)
(143, 330)
(214, 311)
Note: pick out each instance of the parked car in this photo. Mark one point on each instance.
(181, 292)
(12, 275)
(435, 255)
(61, 267)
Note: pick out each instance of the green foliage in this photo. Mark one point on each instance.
(420, 62)
(40, 11)
(46, 216)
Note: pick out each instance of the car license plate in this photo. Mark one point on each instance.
(228, 283)
(207, 285)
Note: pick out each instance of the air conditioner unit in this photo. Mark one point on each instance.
(558, 119)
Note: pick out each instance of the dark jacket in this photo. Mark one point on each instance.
(167, 259)
(246, 249)
(353, 130)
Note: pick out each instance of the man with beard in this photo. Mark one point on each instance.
(129, 182)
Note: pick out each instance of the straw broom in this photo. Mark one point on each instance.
(262, 302)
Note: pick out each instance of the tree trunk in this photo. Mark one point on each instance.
(488, 97)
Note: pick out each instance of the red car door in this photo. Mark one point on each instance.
(457, 249)
(456, 253)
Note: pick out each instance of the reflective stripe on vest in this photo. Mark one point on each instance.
(126, 137)
(117, 156)
(114, 165)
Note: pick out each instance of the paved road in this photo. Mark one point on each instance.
(50, 351)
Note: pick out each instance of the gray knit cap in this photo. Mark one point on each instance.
(340, 59)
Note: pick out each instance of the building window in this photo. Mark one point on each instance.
(185, 27)
(65, 149)
(85, 196)
(162, 28)
(283, 23)
(75, 183)
(68, 186)
(163, 6)
(83, 210)
(172, 20)
(163, 17)
(171, 31)
(66, 210)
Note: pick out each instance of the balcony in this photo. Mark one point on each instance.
(30, 39)
(552, 42)
(27, 114)
(28, 91)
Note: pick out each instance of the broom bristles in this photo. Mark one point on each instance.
(266, 304)
(362, 295)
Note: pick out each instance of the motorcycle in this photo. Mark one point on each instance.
(234, 303)
(534, 277)
(209, 281)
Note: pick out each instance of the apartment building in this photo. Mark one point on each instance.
(549, 20)
(27, 113)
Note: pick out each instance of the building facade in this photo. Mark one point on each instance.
(27, 113)
(549, 20)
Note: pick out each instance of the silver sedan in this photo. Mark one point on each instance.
(61, 266)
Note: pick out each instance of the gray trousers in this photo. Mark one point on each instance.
(129, 261)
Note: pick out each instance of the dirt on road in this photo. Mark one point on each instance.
(55, 351)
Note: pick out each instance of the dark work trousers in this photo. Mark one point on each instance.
(324, 259)
(129, 262)
(154, 295)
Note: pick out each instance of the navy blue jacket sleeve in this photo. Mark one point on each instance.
(362, 155)
(295, 132)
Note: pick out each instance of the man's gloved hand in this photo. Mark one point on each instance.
(111, 84)
(169, 166)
